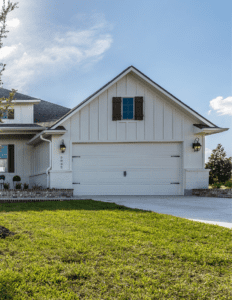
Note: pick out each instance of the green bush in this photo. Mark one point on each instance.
(228, 184)
(217, 185)
(6, 186)
(18, 186)
(16, 178)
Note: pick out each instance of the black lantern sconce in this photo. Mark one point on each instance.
(62, 147)
(196, 145)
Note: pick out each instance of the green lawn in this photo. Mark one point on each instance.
(87, 249)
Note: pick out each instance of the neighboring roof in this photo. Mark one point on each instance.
(17, 96)
(115, 79)
(48, 112)
(45, 113)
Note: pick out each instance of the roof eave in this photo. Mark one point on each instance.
(45, 133)
(209, 131)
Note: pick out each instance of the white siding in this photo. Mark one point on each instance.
(40, 158)
(23, 114)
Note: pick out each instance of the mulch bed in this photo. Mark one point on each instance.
(4, 232)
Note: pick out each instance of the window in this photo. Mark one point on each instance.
(8, 114)
(128, 108)
(3, 158)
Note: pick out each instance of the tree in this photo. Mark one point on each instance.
(5, 103)
(220, 166)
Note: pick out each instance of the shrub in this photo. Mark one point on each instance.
(16, 178)
(228, 184)
(25, 186)
(6, 186)
(36, 187)
(217, 185)
(18, 186)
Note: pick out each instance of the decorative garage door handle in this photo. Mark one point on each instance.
(175, 183)
(76, 183)
(175, 155)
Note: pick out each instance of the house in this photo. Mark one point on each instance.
(131, 137)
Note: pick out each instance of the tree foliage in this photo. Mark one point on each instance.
(5, 103)
(220, 166)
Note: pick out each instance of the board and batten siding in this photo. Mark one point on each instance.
(163, 121)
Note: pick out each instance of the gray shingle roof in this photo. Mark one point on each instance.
(45, 113)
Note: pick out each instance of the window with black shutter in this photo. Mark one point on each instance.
(11, 114)
(127, 108)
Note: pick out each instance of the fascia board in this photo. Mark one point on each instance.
(23, 101)
(90, 99)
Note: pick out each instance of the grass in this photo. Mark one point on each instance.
(85, 249)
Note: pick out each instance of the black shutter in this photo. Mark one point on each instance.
(11, 158)
(11, 114)
(138, 108)
(116, 108)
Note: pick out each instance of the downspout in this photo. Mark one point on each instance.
(50, 163)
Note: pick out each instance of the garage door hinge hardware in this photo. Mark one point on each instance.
(75, 156)
(175, 183)
(175, 155)
(76, 182)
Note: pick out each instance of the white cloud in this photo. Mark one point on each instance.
(222, 106)
(209, 112)
(36, 50)
(7, 51)
(207, 154)
(13, 22)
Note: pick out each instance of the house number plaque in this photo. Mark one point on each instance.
(61, 162)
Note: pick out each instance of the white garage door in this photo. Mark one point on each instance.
(127, 169)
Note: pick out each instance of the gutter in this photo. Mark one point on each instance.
(50, 160)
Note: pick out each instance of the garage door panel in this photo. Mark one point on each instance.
(151, 170)
(135, 162)
(160, 176)
(128, 190)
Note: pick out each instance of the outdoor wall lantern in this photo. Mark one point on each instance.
(196, 145)
(62, 147)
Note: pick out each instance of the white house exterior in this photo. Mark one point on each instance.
(131, 137)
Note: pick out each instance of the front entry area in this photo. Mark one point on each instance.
(127, 169)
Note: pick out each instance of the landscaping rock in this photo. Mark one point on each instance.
(4, 232)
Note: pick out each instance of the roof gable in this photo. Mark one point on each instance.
(147, 80)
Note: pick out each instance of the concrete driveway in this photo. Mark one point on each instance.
(216, 211)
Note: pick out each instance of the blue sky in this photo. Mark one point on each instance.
(63, 51)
